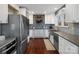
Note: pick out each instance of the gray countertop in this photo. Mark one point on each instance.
(6, 41)
(70, 37)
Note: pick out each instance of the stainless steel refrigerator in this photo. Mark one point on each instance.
(17, 26)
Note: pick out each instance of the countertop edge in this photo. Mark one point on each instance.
(68, 39)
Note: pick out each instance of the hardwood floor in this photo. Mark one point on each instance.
(37, 46)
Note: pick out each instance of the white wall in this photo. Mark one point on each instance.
(49, 19)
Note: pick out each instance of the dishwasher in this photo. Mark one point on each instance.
(56, 41)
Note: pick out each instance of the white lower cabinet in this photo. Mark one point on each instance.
(39, 33)
(61, 45)
(66, 47)
(52, 39)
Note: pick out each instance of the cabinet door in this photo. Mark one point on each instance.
(46, 32)
(30, 19)
(71, 13)
(66, 47)
(49, 19)
(61, 45)
(52, 39)
(3, 13)
(71, 48)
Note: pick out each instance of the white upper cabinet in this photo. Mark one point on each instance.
(39, 33)
(72, 13)
(3, 13)
(78, 11)
(49, 19)
(30, 19)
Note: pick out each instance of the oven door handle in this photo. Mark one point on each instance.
(8, 48)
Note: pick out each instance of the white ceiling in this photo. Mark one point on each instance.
(41, 8)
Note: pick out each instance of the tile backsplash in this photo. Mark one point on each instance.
(45, 26)
(63, 29)
(76, 29)
(73, 28)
